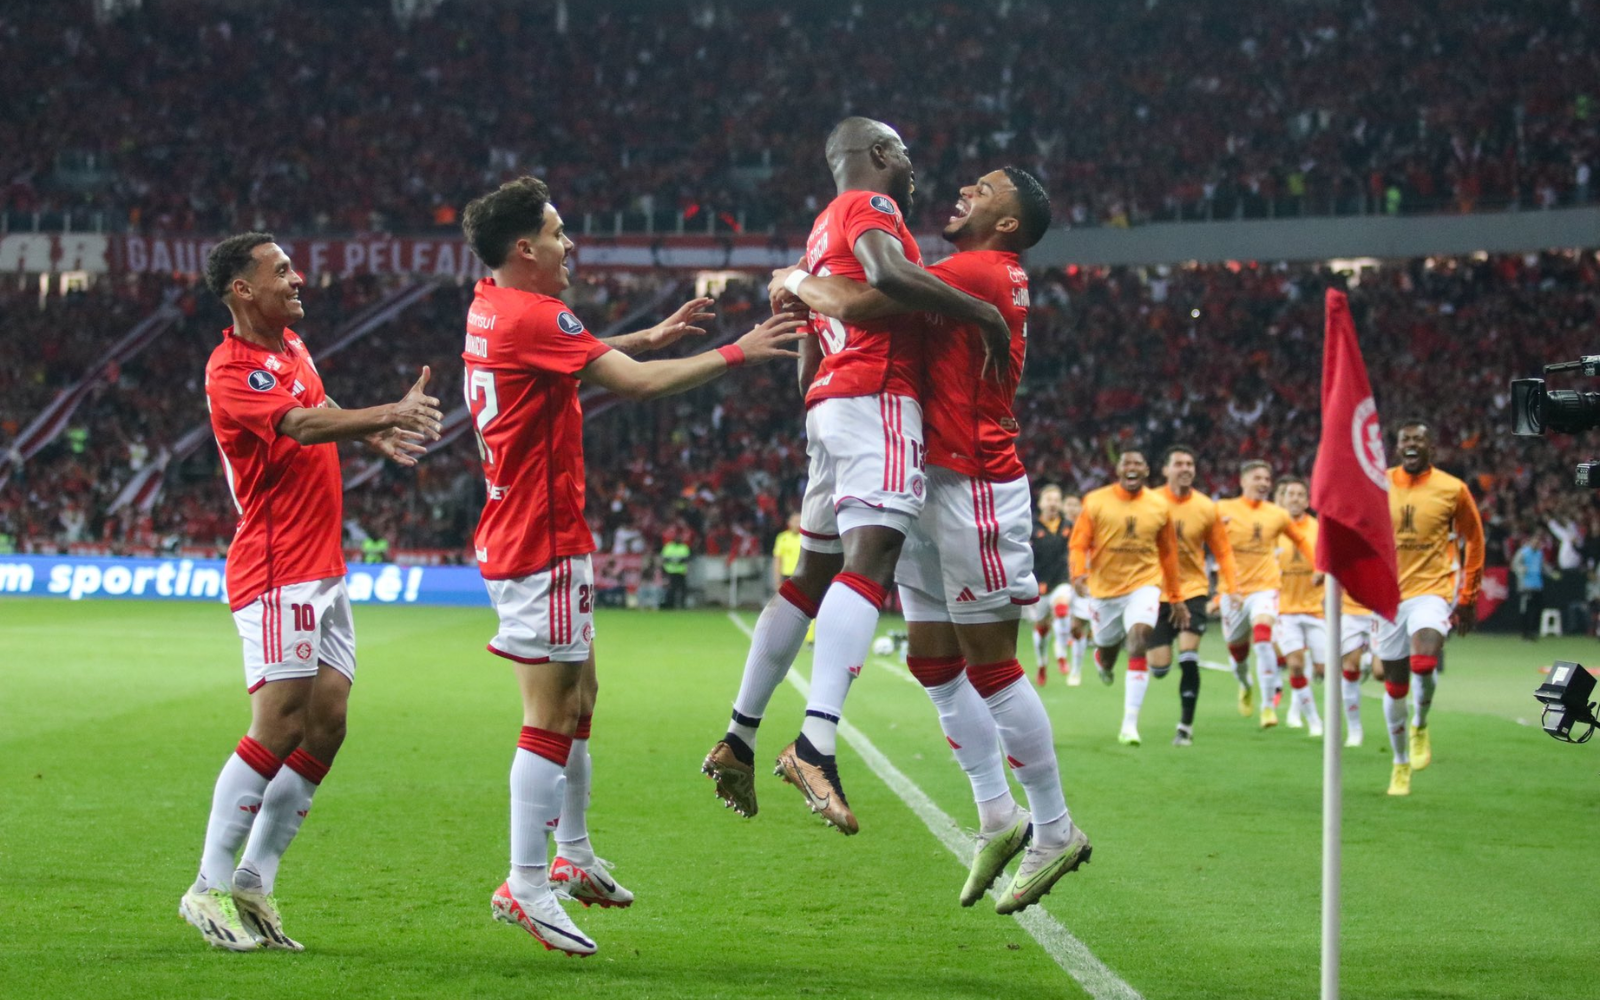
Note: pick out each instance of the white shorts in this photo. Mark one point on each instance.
(1355, 632)
(1294, 633)
(1058, 603)
(1112, 617)
(545, 616)
(288, 630)
(865, 468)
(968, 557)
(1416, 613)
(1238, 615)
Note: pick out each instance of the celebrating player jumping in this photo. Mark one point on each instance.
(275, 429)
(1433, 514)
(525, 354)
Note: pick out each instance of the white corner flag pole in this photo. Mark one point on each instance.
(1332, 788)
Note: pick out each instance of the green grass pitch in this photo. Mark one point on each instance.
(115, 716)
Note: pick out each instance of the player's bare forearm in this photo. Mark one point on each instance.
(320, 425)
(890, 272)
(683, 322)
(810, 361)
(631, 344)
(848, 299)
(641, 380)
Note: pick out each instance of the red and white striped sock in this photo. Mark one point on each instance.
(572, 832)
(538, 787)
(1394, 714)
(234, 804)
(1134, 685)
(1352, 701)
(1300, 688)
(968, 727)
(845, 623)
(283, 809)
(1029, 744)
(774, 643)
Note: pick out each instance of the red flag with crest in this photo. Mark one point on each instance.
(1350, 485)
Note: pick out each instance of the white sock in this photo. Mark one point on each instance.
(1424, 687)
(538, 788)
(1079, 646)
(1352, 702)
(234, 804)
(1061, 628)
(1039, 643)
(846, 622)
(1026, 735)
(572, 832)
(1306, 702)
(283, 809)
(774, 644)
(1135, 683)
(970, 731)
(1394, 714)
(997, 813)
(1266, 672)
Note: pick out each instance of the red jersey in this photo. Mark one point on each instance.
(881, 355)
(290, 496)
(966, 417)
(523, 352)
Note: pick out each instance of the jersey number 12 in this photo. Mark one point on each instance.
(480, 382)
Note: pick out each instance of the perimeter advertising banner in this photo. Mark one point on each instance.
(76, 578)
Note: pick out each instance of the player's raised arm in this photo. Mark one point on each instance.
(889, 271)
(684, 322)
(1222, 551)
(632, 379)
(416, 413)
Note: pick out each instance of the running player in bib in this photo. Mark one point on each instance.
(1438, 537)
(1197, 527)
(275, 429)
(966, 570)
(1302, 631)
(1125, 561)
(1053, 612)
(1254, 524)
(525, 354)
(864, 443)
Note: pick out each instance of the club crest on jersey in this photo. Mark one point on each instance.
(569, 323)
(916, 487)
(588, 633)
(262, 381)
(882, 203)
(302, 650)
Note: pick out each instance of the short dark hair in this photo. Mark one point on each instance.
(1423, 422)
(1177, 449)
(1254, 463)
(1293, 481)
(232, 257)
(1033, 206)
(1132, 450)
(494, 222)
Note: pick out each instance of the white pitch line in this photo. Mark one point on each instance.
(1060, 944)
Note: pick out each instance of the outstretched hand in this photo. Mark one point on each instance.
(399, 446)
(684, 322)
(417, 411)
(771, 339)
(778, 295)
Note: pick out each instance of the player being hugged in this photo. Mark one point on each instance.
(1125, 561)
(525, 355)
(1438, 539)
(275, 429)
(966, 569)
(865, 449)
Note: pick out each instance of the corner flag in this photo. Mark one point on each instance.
(1349, 484)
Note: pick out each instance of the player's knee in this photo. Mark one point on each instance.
(1160, 670)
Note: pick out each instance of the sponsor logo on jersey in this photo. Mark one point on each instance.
(882, 203)
(965, 596)
(263, 381)
(1408, 519)
(569, 323)
(1132, 527)
(273, 363)
(299, 387)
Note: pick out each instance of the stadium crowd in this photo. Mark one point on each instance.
(1226, 358)
(1157, 109)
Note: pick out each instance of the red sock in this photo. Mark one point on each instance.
(262, 760)
(1424, 664)
(1137, 663)
(552, 746)
(1261, 633)
(1397, 689)
(992, 678)
(1240, 651)
(935, 671)
(1298, 682)
(306, 766)
(584, 722)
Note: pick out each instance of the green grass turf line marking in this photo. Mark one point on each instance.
(1060, 944)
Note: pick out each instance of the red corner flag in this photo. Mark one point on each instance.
(1349, 487)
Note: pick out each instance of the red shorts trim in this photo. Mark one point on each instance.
(513, 656)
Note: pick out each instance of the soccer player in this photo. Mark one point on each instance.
(1355, 641)
(1124, 560)
(865, 446)
(1302, 632)
(1051, 529)
(275, 429)
(525, 354)
(1197, 526)
(1433, 513)
(966, 570)
(1254, 524)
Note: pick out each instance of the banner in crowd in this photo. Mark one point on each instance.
(443, 256)
(76, 578)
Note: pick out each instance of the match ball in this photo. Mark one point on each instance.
(883, 646)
